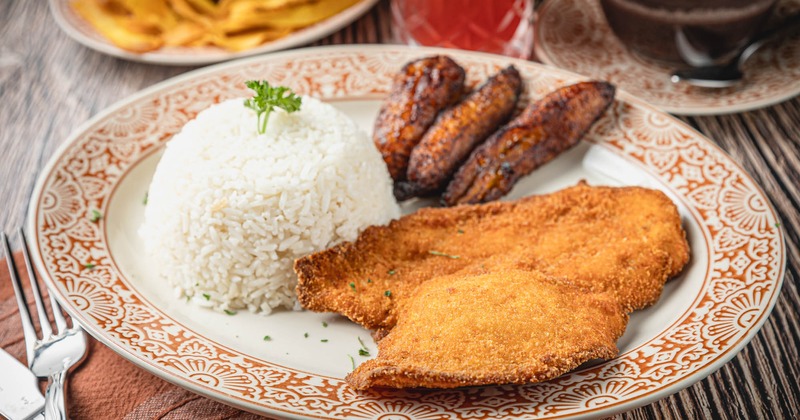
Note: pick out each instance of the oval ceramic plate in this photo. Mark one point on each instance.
(703, 318)
(573, 35)
(81, 31)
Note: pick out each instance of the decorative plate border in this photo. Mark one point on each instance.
(83, 33)
(746, 249)
(574, 35)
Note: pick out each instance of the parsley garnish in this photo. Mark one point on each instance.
(352, 285)
(392, 272)
(305, 335)
(89, 266)
(96, 216)
(267, 98)
(324, 324)
(352, 361)
(363, 351)
(387, 293)
(324, 340)
(460, 232)
(229, 312)
(267, 338)
(207, 296)
(144, 200)
(442, 254)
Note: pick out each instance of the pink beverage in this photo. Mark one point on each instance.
(495, 26)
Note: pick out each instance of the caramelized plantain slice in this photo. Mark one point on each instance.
(544, 130)
(420, 91)
(459, 129)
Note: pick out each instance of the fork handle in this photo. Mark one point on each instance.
(54, 400)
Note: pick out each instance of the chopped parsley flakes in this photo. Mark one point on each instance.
(96, 216)
(363, 351)
(442, 254)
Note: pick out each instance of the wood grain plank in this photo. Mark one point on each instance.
(49, 85)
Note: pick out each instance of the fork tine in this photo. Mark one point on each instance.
(61, 323)
(44, 322)
(27, 325)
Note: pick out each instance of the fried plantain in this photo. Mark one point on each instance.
(543, 131)
(458, 130)
(420, 91)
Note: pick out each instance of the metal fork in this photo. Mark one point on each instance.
(52, 355)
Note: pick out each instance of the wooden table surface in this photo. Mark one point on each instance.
(49, 85)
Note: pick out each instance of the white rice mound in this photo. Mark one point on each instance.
(229, 210)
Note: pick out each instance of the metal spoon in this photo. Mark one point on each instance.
(726, 75)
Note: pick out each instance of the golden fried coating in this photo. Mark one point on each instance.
(498, 328)
(628, 241)
(545, 129)
(421, 89)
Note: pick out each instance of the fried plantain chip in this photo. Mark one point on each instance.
(187, 11)
(235, 25)
(184, 33)
(155, 13)
(299, 15)
(114, 29)
(247, 40)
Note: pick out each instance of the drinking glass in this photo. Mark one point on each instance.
(494, 26)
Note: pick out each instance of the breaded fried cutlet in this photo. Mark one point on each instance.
(498, 328)
(627, 241)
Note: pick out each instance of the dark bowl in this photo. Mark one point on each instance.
(690, 32)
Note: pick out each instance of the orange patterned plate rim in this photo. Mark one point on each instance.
(573, 35)
(717, 306)
(82, 32)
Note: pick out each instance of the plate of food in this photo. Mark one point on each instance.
(378, 231)
(199, 32)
